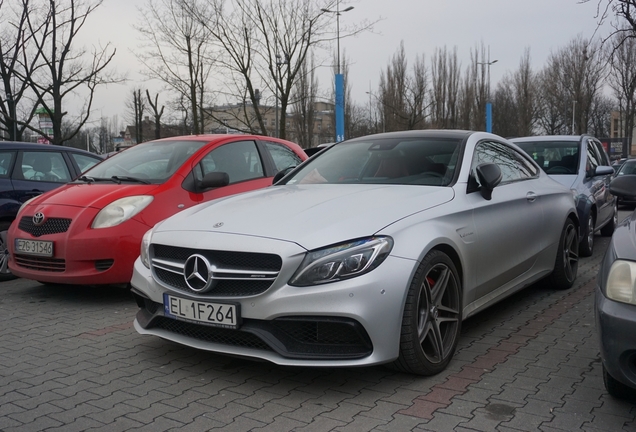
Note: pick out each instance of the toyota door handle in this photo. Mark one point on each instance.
(531, 196)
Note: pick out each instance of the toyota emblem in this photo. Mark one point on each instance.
(197, 273)
(38, 219)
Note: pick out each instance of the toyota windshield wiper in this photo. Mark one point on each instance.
(89, 179)
(131, 179)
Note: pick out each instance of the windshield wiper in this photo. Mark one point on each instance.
(127, 178)
(89, 179)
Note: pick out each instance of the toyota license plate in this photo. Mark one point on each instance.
(214, 314)
(34, 247)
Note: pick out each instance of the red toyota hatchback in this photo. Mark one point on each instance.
(89, 231)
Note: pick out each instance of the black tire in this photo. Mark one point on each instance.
(5, 273)
(586, 246)
(608, 229)
(432, 317)
(566, 263)
(616, 388)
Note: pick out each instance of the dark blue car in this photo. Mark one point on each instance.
(615, 305)
(26, 171)
(580, 163)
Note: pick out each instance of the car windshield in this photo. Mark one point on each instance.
(416, 161)
(152, 162)
(627, 168)
(554, 157)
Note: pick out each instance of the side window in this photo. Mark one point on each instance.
(514, 166)
(282, 156)
(6, 159)
(240, 160)
(592, 157)
(602, 154)
(84, 162)
(44, 167)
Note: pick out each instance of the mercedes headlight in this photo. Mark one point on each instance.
(621, 282)
(144, 253)
(120, 211)
(343, 261)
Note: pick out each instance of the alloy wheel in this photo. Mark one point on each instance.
(438, 313)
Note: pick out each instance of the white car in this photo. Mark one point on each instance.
(374, 251)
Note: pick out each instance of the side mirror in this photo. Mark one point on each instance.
(623, 186)
(603, 170)
(282, 173)
(489, 175)
(214, 180)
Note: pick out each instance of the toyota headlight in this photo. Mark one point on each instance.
(24, 204)
(144, 253)
(621, 282)
(343, 261)
(120, 211)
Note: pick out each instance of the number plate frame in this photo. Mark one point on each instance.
(198, 311)
(34, 247)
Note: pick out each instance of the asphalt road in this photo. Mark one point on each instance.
(71, 361)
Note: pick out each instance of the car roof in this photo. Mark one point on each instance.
(540, 138)
(429, 133)
(18, 145)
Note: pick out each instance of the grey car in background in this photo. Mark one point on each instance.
(409, 234)
(580, 163)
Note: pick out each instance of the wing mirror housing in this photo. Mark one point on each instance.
(623, 186)
(489, 175)
(214, 180)
(282, 173)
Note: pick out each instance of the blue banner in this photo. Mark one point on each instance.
(340, 129)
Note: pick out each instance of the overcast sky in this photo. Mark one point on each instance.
(507, 27)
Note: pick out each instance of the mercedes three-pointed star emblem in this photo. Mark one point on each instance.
(197, 273)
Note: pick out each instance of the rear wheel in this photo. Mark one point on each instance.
(617, 388)
(432, 317)
(566, 264)
(5, 273)
(587, 241)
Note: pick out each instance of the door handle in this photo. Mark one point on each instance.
(531, 196)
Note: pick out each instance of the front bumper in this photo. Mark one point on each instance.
(616, 326)
(82, 255)
(354, 322)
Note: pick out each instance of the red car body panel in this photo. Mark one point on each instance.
(84, 253)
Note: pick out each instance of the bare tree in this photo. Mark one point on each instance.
(17, 109)
(156, 112)
(178, 51)
(263, 45)
(303, 106)
(402, 95)
(622, 80)
(516, 101)
(571, 79)
(63, 71)
(445, 80)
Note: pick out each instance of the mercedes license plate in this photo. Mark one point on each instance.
(34, 247)
(214, 314)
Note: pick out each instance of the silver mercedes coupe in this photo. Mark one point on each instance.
(371, 252)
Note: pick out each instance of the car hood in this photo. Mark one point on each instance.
(96, 195)
(310, 215)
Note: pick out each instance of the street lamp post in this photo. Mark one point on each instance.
(488, 101)
(339, 80)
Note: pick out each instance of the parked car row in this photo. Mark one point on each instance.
(410, 234)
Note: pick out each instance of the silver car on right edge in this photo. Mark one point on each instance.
(373, 251)
(580, 163)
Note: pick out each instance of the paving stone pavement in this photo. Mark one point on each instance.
(71, 361)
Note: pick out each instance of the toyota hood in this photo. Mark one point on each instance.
(96, 195)
(309, 215)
